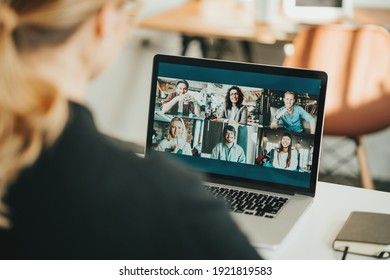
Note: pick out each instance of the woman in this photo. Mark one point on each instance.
(67, 191)
(234, 112)
(176, 139)
(285, 157)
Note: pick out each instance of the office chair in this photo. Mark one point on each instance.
(357, 60)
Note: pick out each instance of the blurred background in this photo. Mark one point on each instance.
(120, 97)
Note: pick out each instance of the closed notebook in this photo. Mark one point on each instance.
(365, 233)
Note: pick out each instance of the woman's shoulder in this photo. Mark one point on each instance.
(164, 141)
(243, 108)
(224, 107)
(105, 167)
(87, 155)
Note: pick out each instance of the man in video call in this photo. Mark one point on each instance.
(180, 102)
(228, 150)
(292, 115)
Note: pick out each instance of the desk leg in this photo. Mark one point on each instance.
(186, 40)
(246, 47)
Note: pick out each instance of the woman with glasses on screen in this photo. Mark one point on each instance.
(233, 111)
(67, 191)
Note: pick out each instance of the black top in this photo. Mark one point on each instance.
(88, 198)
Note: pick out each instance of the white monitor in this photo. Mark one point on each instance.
(318, 11)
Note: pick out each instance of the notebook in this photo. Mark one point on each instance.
(254, 130)
(365, 233)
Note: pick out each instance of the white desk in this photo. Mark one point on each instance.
(313, 235)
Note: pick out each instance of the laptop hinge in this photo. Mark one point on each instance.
(250, 186)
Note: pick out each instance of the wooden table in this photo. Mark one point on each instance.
(227, 19)
(235, 19)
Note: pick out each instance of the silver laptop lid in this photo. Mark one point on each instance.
(251, 125)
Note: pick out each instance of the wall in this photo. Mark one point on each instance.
(372, 3)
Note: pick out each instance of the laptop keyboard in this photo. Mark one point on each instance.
(249, 203)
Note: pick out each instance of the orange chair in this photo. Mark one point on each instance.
(357, 60)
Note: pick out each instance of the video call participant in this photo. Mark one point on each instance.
(176, 139)
(228, 150)
(286, 156)
(292, 115)
(66, 190)
(180, 102)
(233, 111)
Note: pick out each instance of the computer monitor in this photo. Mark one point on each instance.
(318, 11)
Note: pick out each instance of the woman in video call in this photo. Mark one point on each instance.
(233, 111)
(286, 156)
(176, 139)
(67, 191)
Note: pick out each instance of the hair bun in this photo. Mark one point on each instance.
(8, 17)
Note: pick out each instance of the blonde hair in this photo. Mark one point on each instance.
(32, 111)
(184, 130)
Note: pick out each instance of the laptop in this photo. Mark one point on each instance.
(253, 130)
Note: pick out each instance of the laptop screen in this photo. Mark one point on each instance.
(254, 124)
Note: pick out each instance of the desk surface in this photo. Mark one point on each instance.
(216, 18)
(312, 237)
(232, 19)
